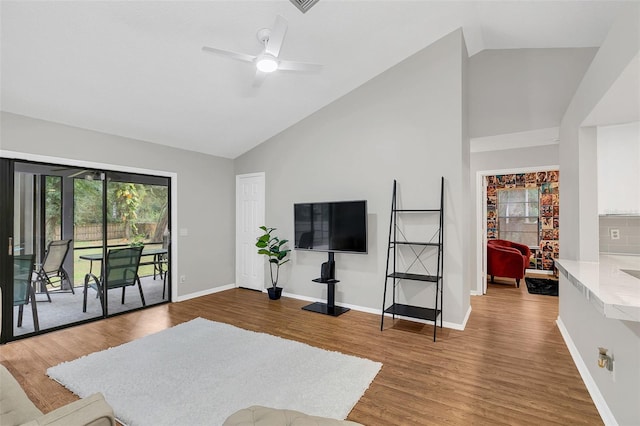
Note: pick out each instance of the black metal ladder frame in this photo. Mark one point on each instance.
(396, 276)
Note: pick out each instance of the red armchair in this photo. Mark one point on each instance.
(507, 259)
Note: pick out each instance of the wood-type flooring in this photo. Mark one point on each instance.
(510, 366)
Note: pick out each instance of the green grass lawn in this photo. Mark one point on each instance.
(81, 266)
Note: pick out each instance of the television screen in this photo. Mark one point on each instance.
(339, 226)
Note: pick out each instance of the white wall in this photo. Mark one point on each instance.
(514, 90)
(619, 168)
(206, 189)
(617, 51)
(407, 123)
(586, 327)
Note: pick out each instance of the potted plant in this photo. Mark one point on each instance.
(272, 247)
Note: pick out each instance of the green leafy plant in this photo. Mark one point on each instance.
(137, 240)
(127, 200)
(272, 247)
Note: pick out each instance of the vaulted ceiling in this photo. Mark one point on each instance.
(136, 68)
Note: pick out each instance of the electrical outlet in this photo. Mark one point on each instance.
(605, 360)
(613, 370)
(183, 279)
(615, 234)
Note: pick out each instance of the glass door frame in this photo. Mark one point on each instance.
(6, 248)
(7, 172)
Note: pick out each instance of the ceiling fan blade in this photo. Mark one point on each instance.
(276, 38)
(259, 78)
(298, 66)
(78, 173)
(229, 53)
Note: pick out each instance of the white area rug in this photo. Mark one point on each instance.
(200, 372)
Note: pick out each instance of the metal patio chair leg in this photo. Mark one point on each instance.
(43, 280)
(87, 278)
(141, 294)
(65, 276)
(34, 310)
(164, 285)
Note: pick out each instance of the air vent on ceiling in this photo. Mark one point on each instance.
(304, 5)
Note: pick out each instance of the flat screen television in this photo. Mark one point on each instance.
(337, 226)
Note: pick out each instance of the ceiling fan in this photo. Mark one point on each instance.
(268, 60)
(87, 174)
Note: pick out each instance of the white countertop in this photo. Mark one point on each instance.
(615, 294)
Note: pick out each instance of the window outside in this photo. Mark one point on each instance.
(518, 215)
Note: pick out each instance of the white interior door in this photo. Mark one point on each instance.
(250, 201)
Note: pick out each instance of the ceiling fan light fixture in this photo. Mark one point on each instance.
(266, 63)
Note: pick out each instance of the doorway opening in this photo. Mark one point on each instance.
(520, 206)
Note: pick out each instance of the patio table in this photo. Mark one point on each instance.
(157, 254)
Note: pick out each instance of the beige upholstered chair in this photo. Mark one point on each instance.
(17, 409)
(264, 416)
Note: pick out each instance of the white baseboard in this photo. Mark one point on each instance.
(466, 318)
(305, 298)
(447, 324)
(592, 387)
(375, 311)
(205, 292)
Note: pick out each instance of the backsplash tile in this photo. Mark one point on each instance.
(629, 242)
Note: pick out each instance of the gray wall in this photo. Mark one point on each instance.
(405, 124)
(586, 326)
(206, 189)
(514, 90)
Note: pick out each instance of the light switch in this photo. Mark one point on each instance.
(183, 232)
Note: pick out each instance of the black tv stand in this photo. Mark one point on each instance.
(330, 307)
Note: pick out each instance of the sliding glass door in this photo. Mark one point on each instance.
(60, 225)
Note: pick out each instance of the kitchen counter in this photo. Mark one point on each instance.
(614, 293)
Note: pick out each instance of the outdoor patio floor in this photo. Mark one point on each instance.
(66, 308)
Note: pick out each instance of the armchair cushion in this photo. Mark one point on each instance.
(17, 409)
(264, 416)
(90, 411)
(507, 259)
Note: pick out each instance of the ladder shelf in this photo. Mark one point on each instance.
(415, 277)
(413, 311)
(393, 277)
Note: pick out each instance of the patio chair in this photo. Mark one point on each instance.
(161, 261)
(163, 264)
(23, 290)
(121, 271)
(52, 272)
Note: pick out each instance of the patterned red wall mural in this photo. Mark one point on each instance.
(548, 186)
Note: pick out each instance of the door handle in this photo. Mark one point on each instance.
(10, 246)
